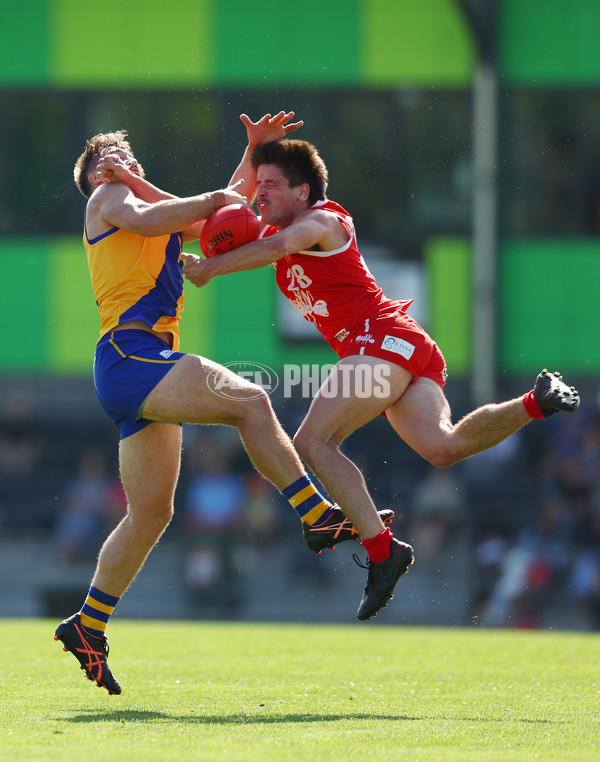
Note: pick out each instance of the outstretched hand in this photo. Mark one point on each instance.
(270, 128)
(195, 269)
(231, 195)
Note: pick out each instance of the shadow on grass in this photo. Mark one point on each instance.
(243, 718)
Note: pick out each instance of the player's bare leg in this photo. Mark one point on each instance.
(149, 462)
(187, 394)
(338, 409)
(422, 418)
(420, 413)
(333, 417)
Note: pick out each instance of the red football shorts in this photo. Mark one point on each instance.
(394, 336)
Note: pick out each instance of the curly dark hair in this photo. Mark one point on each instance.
(300, 163)
(95, 148)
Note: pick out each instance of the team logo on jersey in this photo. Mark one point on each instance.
(303, 302)
(398, 346)
(341, 335)
(320, 308)
(166, 353)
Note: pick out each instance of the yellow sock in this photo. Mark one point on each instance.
(307, 501)
(96, 611)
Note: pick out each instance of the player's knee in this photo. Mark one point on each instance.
(163, 518)
(300, 442)
(440, 456)
(252, 409)
(259, 405)
(153, 518)
(160, 521)
(262, 400)
(307, 445)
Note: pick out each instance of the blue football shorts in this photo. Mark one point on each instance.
(128, 364)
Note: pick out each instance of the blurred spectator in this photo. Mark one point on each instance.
(490, 549)
(20, 440)
(93, 501)
(213, 503)
(485, 465)
(437, 511)
(22, 477)
(259, 510)
(565, 437)
(496, 483)
(590, 455)
(215, 492)
(585, 578)
(530, 572)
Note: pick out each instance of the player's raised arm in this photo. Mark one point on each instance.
(267, 129)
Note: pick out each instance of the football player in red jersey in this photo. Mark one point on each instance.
(312, 244)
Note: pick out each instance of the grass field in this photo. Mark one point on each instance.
(229, 691)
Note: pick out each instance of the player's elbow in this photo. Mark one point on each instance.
(272, 251)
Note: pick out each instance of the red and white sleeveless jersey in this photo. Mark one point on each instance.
(333, 289)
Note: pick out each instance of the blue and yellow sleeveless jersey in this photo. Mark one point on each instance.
(137, 278)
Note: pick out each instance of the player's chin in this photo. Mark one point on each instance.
(265, 217)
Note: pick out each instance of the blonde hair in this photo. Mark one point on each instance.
(95, 148)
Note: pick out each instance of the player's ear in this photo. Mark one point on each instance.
(304, 192)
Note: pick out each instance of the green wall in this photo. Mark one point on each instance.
(550, 311)
(449, 262)
(24, 303)
(550, 42)
(212, 43)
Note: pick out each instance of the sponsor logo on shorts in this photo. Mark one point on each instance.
(398, 346)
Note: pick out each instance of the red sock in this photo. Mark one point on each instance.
(379, 547)
(531, 406)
